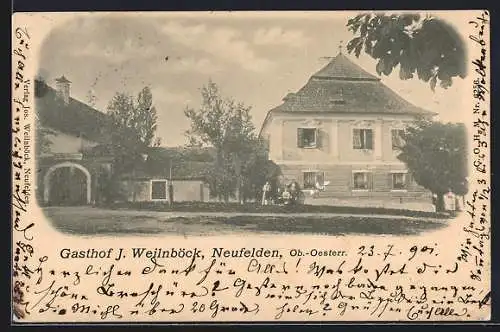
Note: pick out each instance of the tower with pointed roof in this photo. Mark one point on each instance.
(343, 127)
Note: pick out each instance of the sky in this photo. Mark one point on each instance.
(255, 58)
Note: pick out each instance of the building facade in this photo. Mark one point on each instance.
(68, 170)
(343, 127)
(183, 168)
(155, 189)
(76, 165)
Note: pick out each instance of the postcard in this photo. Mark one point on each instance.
(272, 167)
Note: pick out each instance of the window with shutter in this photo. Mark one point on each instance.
(368, 139)
(362, 139)
(309, 180)
(397, 138)
(356, 139)
(300, 136)
(409, 180)
(399, 181)
(307, 137)
(369, 178)
(394, 139)
(320, 177)
(362, 180)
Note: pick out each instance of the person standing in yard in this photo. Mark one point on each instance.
(278, 198)
(449, 201)
(286, 197)
(266, 190)
(295, 192)
(319, 186)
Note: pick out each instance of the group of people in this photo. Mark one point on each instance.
(287, 195)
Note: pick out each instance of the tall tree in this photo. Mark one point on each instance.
(426, 46)
(132, 128)
(136, 118)
(436, 154)
(208, 128)
(242, 144)
(227, 126)
(257, 170)
(133, 124)
(146, 118)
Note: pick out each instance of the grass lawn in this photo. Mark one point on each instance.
(258, 208)
(96, 221)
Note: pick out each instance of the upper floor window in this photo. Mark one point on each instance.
(307, 137)
(362, 139)
(397, 138)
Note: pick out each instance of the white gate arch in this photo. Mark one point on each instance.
(46, 179)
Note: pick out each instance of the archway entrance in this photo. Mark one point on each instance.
(67, 184)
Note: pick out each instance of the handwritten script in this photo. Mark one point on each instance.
(477, 230)
(25, 260)
(379, 282)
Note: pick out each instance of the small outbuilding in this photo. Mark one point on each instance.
(165, 167)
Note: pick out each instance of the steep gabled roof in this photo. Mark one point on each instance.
(75, 118)
(344, 87)
(344, 96)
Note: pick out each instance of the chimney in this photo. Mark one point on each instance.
(63, 85)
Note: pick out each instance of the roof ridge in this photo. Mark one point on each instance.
(342, 68)
(75, 117)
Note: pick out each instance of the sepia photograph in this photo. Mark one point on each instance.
(210, 124)
(243, 167)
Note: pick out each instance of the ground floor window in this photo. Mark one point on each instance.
(311, 178)
(399, 181)
(361, 180)
(158, 189)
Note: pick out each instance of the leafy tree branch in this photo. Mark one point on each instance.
(423, 46)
